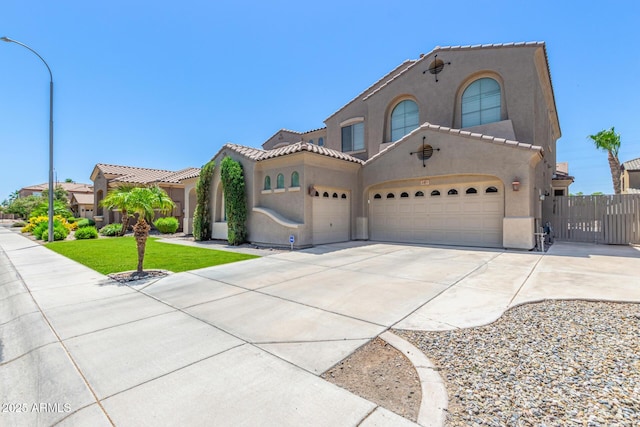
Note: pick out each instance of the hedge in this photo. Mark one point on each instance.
(235, 200)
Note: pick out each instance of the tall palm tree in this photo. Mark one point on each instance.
(117, 199)
(608, 140)
(144, 201)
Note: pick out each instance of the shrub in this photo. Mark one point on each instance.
(87, 233)
(34, 221)
(202, 214)
(60, 232)
(235, 201)
(111, 229)
(59, 209)
(85, 222)
(19, 224)
(167, 225)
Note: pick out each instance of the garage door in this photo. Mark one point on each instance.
(462, 214)
(331, 218)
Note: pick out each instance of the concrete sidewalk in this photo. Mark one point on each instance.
(244, 343)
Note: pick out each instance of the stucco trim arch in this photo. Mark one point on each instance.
(457, 116)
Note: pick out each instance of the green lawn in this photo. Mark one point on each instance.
(118, 254)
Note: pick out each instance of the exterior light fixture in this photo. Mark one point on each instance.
(515, 184)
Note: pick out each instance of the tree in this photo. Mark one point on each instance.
(202, 214)
(144, 201)
(235, 200)
(23, 206)
(59, 194)
(117, 198)
(609, 141)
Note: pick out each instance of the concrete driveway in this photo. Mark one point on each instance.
(243, 344)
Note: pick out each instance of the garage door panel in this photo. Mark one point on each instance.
(331, 220)
(462, 219)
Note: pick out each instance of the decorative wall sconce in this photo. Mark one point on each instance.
(515, 184)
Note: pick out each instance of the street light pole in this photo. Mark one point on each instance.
(8, 40)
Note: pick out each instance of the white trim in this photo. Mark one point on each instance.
(267, 191)
(279, 190)
(293, 189)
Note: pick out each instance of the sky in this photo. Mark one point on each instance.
(165, 85)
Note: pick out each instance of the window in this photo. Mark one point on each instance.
(404, 119)
(558, 192)
(419, 194)
(335, 195)
(404, 194)
(377, 196)
(325, 194)
(344, 196)
(481, 103)
(391, 196)
(353, 137)
(295, 179)
(435, 193)
(311, 141)
(471, 191)
(452, 192)
(267, 182)
(491, 190)
(321, 142)
(280, 181)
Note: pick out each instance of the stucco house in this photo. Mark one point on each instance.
(105, 177)
(80, 196)
(457, 147)
(630, 177)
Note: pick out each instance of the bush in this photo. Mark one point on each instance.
(235, 200)
(111, 229)
(167, 225)
(87, 233)
(202, 214)
(60, 232)
(19, 224)
(85, 222)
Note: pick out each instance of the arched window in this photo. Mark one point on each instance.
(471, 191)
(325, 194)
(311, 141)
(377, 196)
(404, 119)
(344, 196)
(267, 182)
(452, 192)
(295, 179)
(391, 196)
(491, 190)
(335, 195)
(481, 103)
(419, 194)
(435, 193)
(280, 181)
(320, 141)
(404, 194)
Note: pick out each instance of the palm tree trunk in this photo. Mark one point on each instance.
(125, 223)
(141, 232)
(614, 165)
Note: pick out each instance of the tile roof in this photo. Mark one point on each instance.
(259, 155)
(632, 165)
(459, 132)
(135, 175)
(83, 198)
(68, 186)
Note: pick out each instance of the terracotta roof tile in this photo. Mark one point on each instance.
(135, 175)
(259, 155)
(632, 165)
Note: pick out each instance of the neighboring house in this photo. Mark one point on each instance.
(176, 184)
(561, 180)
(80, 196)
(457, 147)
(630, 177)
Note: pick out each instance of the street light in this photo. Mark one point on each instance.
(8, 40)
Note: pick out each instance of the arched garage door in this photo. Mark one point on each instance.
(331, 216)
(459, 214)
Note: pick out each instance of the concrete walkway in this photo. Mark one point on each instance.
(244, 343)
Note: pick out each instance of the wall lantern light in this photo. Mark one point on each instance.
(515, 184)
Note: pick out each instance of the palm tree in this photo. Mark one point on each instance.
(117, 199)
(144, 201)
(609, 141)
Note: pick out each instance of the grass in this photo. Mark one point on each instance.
(118, 254)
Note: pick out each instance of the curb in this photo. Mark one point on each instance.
(433, 408)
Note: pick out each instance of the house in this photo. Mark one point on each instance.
(561, 180)
(457, 147)
(80, 196)
(106, 177)
(630, 177)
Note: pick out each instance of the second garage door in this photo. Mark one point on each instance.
(331, 217)
(462, 214)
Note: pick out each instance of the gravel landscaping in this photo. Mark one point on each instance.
(553, 363)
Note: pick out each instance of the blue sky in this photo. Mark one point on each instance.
(165, 84)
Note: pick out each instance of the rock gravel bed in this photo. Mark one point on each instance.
(554, 363)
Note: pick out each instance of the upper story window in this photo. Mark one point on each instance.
(267, 182)
(404, 119)
(353, 137)
(280, 181)
(481, 103)
(320, 141)
(295, 179)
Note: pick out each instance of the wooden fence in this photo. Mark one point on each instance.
(613, 220)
